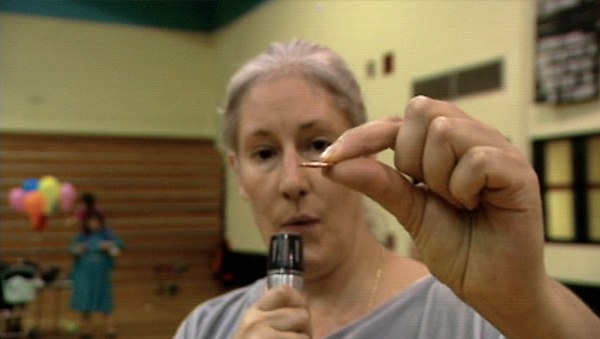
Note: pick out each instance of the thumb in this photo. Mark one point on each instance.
(384, 184)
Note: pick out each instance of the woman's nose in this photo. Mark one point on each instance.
(294, 182)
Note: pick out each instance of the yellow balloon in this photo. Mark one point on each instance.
(49, 187)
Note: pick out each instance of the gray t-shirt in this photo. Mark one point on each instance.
(426, 310)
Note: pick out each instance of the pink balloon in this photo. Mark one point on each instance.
(68, 196)
(16, 197)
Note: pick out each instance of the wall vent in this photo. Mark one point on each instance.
(466, 81)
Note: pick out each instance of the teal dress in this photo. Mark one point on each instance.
(92, 273)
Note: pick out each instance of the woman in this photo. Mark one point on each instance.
(476, 220)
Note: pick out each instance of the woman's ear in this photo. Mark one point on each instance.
(235, 166)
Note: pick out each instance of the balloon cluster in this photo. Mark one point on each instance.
(42, 198)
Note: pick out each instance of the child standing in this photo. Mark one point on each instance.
(94, 249)
(86, 204)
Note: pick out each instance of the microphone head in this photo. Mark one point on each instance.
(285, 252)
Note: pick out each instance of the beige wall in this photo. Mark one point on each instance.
(69, 76)
(427, 37)
(72, 77)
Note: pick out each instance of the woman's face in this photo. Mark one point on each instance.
(94, 225)
(285, 122)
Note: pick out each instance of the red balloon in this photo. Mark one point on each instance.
(39, 222)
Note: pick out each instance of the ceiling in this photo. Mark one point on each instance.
(196, 15)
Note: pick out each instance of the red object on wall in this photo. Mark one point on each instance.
(388, 63)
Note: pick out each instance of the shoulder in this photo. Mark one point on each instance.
(426, 310)
(80, 237)
(107, 231)
(219, 317)
(399, 274)
(440, 312)
(429, 297)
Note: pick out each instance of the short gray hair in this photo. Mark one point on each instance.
(317, 63)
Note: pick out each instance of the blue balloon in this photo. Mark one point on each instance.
(30, 185)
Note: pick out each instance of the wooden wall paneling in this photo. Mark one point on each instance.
(164, 197)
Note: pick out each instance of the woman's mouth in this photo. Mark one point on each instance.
(299, 224)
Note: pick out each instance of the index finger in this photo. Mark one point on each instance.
(281, 296)
(367, 139)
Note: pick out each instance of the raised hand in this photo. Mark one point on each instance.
(476, 217)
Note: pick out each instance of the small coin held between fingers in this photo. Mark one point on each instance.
(316, 164)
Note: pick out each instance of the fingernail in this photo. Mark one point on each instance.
(329, 152)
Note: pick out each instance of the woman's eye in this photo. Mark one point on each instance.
(264, 154)
(320, 145)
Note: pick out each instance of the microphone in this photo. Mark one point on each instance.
(286, 265)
